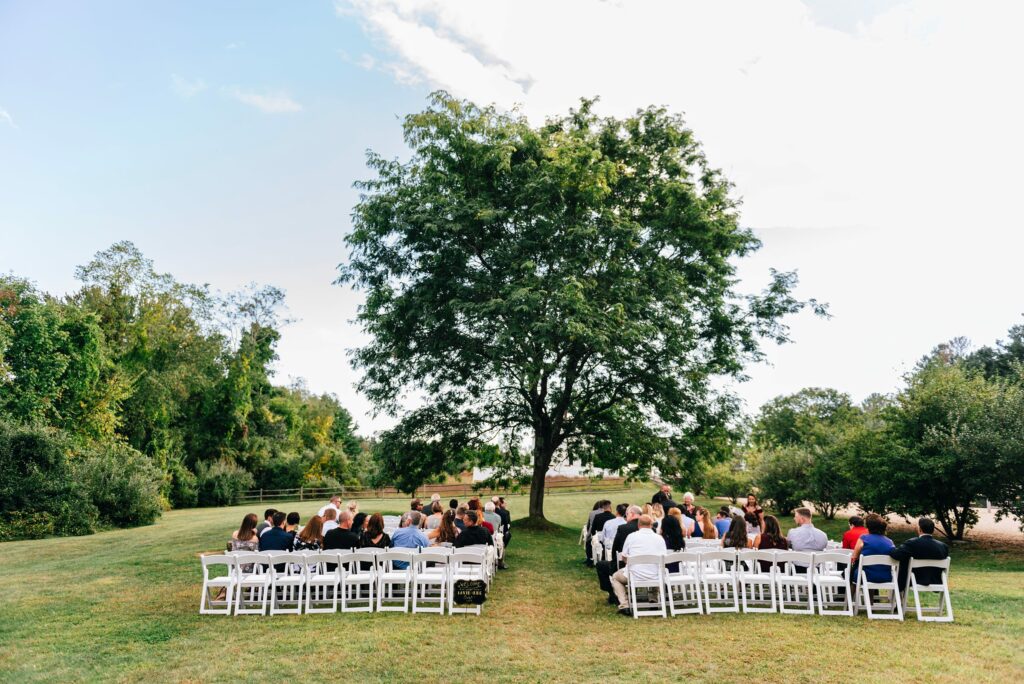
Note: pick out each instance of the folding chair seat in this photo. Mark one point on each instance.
(358, 580)
(757, 583)
(322, 585)
(464, 565)
(650, 608)
(682, 587)
(794, 581)
(226, 583)
(286, 585)
(943, 612)
(390, 577)
(252, 585)
(863, 597)
(831, 580)
(718, 580)
(430, 582)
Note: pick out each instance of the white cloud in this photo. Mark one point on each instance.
(877, 152)
(270, 102)
(5, 116)
(186, 88)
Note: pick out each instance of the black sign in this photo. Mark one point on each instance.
(470, 591)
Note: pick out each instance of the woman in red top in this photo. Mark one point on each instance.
(857, 529)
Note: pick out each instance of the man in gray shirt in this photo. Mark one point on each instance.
(805, 536)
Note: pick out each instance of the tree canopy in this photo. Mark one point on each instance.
(570, 286)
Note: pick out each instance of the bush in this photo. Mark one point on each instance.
(122, 483)
(222, 483)
(18, 525)
(182, 486)
(727, 479)
(782, 477)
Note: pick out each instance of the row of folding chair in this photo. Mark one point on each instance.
(793, 582)
(358, 580)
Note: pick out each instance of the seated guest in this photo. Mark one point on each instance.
(604, 514)
(696, 530)
(353, 508)
(706, 525)
(657, 513)
(874, 543)
(857, 529)
(805, 536)
(736, 537)
(291, 523)
(342, 536)
(275, 538)
(474, 533)
(434, 519)
(640, 543)
(924, 547)
(770, 538)
(334, 503)
(605, 569)
(491, 516)
(723, 520)
(409, 536)
(686, 522)
(688, 508)
(330, 519)
(268, 516)
(245, 537)
(506, 519)
(608, 531)
(587, 550)
(375, 536)
(416, 505)
(460, 517)
(453, 504)
(311, 536)
(445, 533)
(672, 532)
(662, 495)
(359, 525)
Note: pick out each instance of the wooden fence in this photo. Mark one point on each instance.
(456, 490)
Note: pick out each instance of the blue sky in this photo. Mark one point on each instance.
(873, 144)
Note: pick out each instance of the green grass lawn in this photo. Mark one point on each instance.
(123, 606)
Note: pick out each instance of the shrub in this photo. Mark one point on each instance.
(19, 525)
(123, 484)
(728, 479)
(182, 486)
(782, 477)
(222, 483)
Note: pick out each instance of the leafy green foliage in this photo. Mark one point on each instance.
(570, 287)
(222, 483)
(122, 484)
(730, 478)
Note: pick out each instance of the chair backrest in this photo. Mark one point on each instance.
(279, 568)
(687, 560)
(878, 559)
(830, 557)
(718, 556)
(438, 559)
(475, 548)
(352, 561)
(790, 559)
(923, 563)
(318, 560)
(386, 559)
(213, 559)
(750, 561)
(257, 561)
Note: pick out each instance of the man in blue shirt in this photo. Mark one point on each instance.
(276, 538)
(408, 536)
(723, 520)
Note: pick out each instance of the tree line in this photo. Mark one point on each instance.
(951, 438)
(138, 392)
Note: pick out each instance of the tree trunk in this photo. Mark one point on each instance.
(542, 453)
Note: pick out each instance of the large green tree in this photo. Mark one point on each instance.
(570, 286)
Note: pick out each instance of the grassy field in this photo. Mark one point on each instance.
(122, 606)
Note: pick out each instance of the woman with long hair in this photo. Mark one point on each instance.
(736, 537)
(678, 515)
(446, 532)
(375, 536)
(770, 538)
(753, 515)
(707, 525)
(245, 537)
(434, 519)
(311, 537)
(359, 524)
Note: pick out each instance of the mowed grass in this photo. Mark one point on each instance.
(122, 606)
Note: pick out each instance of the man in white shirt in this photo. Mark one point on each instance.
(334, 503)
(330, 520)
(805, 536)
(643, 542)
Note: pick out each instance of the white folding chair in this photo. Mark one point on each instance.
(757, 582)
(252, 583)
(718, 581)
(225, 583)
(322, 583)
(358, 580)
(636, 567)
(832, 583)
(685, 580)
(944, 610)
(583, 535)
(430, 582)
(596, 548)
(390, 577)
(464, 565)
(286, 586)
(863, 598)
(794, 581)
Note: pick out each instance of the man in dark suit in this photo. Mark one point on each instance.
(662, 495)
(276, 538)
(597, 524)
(474, 533)
(923, 547)
(605, 569)
(342, 536)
